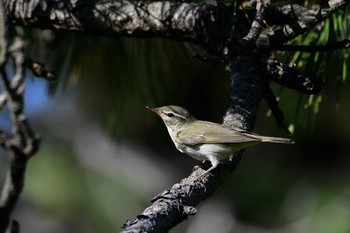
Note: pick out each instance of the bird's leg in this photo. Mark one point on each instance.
(206, 172)
(205, 164)
(214, 164)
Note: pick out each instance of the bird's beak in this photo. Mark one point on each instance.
(156, 110)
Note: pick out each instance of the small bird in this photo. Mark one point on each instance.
(204, 140)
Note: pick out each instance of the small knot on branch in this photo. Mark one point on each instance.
(189, 210)
(39, 69)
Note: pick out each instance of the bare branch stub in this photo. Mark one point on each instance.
(39, 69)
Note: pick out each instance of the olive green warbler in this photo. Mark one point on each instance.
(204, 140)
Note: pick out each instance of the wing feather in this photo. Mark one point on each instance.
(209, 132)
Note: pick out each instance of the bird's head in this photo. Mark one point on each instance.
(174, 117)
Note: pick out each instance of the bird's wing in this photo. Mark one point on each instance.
(209, 132)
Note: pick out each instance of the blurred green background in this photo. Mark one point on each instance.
(104, 155)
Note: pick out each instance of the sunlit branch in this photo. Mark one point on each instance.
(199, 23)
(276, 38)
(170, 19)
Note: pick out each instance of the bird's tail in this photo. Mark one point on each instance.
(277, 140)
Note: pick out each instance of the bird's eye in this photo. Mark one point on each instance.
(170, 114)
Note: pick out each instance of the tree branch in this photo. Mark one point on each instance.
(21, 143)
(279, 36)
(256, 25)
(197, 23)
(175, 20)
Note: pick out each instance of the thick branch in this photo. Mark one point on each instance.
(197, 23)
(176, 20)
(246, 92)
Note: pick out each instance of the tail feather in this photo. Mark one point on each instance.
(277, 140)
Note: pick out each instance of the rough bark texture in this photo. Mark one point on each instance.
(176, 20)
